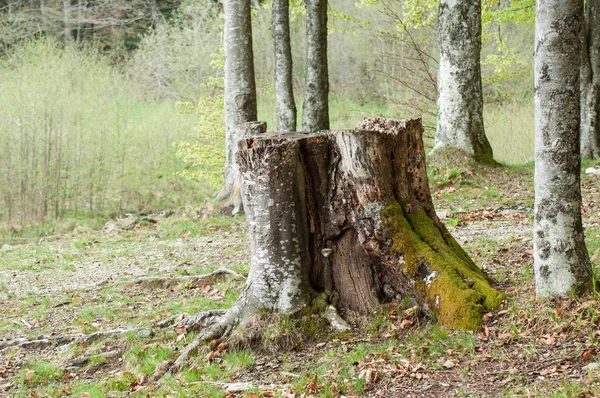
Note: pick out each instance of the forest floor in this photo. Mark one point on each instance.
(54, 291)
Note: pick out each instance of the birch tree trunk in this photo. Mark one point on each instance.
(590, 81)
(240, 87)
(460, 97)
(561, 259)
(315, 110)
(286, 106)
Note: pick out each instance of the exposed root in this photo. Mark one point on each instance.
(5, 345)
(167, 282)
(78, 362)
(336, 321)
(218, 324)
(165, 323)
(200, 320)
(225, 192)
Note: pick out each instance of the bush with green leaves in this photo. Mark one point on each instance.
(76, 141)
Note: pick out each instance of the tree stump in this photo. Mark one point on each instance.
(340, 222)
(350, 214)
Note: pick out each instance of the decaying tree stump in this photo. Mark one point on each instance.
(349, 213)
(345, 219)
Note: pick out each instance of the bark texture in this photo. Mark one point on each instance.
(590, 81)
(348, 215)
(315, 110)
(240, 86)
(284, 92)
(460, 96)
(561, 260)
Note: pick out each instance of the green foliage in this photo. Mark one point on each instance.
(205, 155)
(504, 61)
(75, 140)
(171, 60)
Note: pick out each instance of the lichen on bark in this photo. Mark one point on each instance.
(455, 289)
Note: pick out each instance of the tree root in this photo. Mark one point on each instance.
(336, 321)
(63, 340)
(200, 320)
(216, 324)
(78, 362)
(167, 282)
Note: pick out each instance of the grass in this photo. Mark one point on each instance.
(339, 362)
(511, 131)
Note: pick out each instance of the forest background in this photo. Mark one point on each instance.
(110, 107)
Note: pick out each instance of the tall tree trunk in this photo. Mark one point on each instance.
(460, 96)
(79, 19)
(286, 106)
(156, 15)
(590, 81)
(240, 88)
(315, 110)
(67, 22)
(561, 259)
(44, 12)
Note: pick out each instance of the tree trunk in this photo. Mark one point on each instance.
(44, 13)
(240, 87)
(315, 111)
(67, 22)
(460, 97)
(590, 81)
(349, 214)
(561, 260)
(286, 106)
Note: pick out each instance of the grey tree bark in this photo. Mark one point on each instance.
(68, 28)
(561, 260)
(460, 96)
(284, 92)
(240, 89)
(315, 110)
(590, 81)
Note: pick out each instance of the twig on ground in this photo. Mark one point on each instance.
(66, 339)
(166, 282)
(84, 360)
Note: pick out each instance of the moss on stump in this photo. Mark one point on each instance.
(455, 289)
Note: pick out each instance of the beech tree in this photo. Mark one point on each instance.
(561, 259)
(240, 90)
(315, 110)
(460, 97)
(341, 222)
(284, 92)
(590, 81)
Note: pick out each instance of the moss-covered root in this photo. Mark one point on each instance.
(455, 289)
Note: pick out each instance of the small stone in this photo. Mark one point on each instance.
(449, 364)
(239, 387)
(591, 366)
(593, 170)
(6, 248)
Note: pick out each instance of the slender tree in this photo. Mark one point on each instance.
(286, 107)
(315, 111)
(240, 89)
(561, 259)
(590, 81)
(460, 97)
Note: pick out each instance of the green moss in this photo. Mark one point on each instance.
(461, 294)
